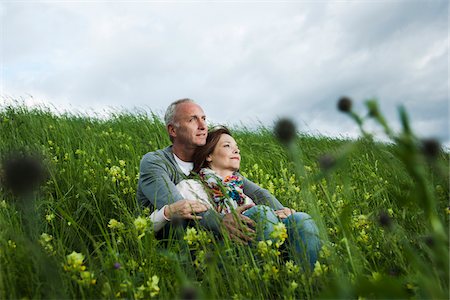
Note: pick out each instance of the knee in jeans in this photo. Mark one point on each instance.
(304, 220)
(262, 212)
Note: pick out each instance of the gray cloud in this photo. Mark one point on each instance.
(244, 62)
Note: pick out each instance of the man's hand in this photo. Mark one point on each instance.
(239, 227)
(186, 209)
(284, 212)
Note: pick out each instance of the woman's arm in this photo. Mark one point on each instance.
(260, 195)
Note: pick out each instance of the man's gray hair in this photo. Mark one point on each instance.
(170, 112)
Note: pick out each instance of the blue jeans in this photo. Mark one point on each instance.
(303, 235)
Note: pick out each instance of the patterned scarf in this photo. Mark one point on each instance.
(227, 193)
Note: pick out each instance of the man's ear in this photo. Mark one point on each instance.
(172, 130)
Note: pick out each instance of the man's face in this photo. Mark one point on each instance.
(190, 125)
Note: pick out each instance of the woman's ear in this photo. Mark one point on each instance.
(208, 158)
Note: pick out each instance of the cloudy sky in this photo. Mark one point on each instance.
(245, 62)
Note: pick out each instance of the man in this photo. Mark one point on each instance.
(161, 170)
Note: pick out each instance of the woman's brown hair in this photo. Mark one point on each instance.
(202, 152)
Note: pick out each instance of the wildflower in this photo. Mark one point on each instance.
(3, 204)
(390, 212)
(139, 294)
(279, 234)
(363, 237)
(115, 225)
(345, 104)
(285, 131)
(87, 278)
(325, 252)
(50, 217)
(45, 241)
(254, 273)
(270, 271)
(319, 269)
(80, 152)
(384, 220)
(375, 277)
(12, 244)
(74, 262)
(194, 237)
(122, 163)
(116, 265)
(140, 223)
(153, 286)
(291, 268)
(106, 290)
(191, 235)
(264, 247)
(431, 148)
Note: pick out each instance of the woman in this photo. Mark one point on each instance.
(217, 164)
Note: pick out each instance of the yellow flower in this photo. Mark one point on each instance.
(50, 217)
(153, 286)
(264, 247)
(270, 271)
(3, 204)
(75, 262)
(115, 225)
(291, 268)
(293, 285)
(139, 294)
(319, 269)
(140, 223)
(46, 237)
(375, 277)
(87, 278)
(279, 233)
(12, 244)
(122, 163)
(191, 235)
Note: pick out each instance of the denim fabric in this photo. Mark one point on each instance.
(303, 235)
(303, 238)
(264, 218)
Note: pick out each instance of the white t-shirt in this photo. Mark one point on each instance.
(185, 166)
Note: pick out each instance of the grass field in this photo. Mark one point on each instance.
(382, 210)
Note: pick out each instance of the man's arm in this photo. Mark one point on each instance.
(156, 182)
(157, 189)
(260, 195)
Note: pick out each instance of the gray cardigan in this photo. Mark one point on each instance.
(159, 174)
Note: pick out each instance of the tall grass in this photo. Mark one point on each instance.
(80, 235)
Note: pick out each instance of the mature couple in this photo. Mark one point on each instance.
(225, 201)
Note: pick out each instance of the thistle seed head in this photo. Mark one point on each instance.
(384, 220)
(326, 162)
(285, 131)
(345, 104)
(23, 174)
(431, 148)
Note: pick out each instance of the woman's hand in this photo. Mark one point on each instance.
(186, 209)
(284, 212)
(238, 226)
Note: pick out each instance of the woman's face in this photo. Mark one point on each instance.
(225, 157)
